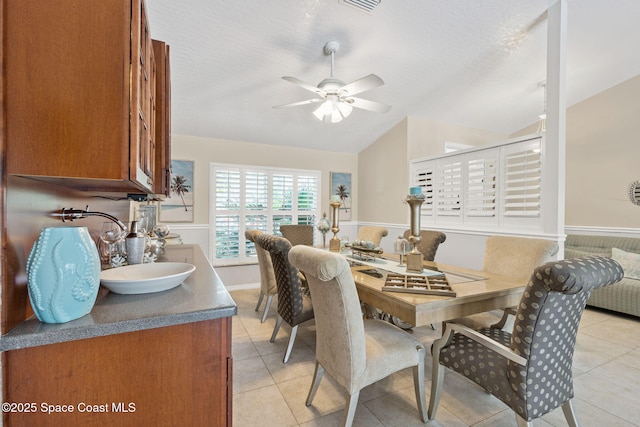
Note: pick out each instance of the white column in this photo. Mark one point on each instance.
(555, 136)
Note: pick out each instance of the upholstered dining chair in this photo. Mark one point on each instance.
(372, 233)
(530, 369)
(353, 351)
(294, 305)
(298, 234)
(268, 285)
(429, 242)
(515, 257)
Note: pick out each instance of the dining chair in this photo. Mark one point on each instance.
(515, 257)
(372, 233)
(268, 285)
(429, 242)
(298, 234)
(353, 351)
(530, 369)
(294, 305)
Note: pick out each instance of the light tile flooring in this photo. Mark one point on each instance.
(267, 392)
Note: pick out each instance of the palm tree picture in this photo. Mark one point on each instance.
(178, 207)
(341, 186)
(179, 186)
(343, 192)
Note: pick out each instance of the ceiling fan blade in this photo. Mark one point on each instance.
(295, 104)
(366, 83)
(365, 104)
(304, 85)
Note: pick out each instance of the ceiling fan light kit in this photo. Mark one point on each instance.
(335, 95)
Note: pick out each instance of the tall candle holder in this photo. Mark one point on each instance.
(334, 243)
(415, 258)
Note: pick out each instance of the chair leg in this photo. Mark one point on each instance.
(437, 370)
(266, 308)
(418, 384)
(570, 414)
(259, 301)
(437, 378)
(276, 329)
(292, 338)
(521, 422)
(350, 409)
(317, 377)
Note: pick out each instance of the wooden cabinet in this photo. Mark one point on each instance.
(81, 94)
(162, 181)
(173, 376)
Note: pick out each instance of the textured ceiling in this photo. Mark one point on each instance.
(475, 63)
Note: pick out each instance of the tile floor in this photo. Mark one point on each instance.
(266, 392)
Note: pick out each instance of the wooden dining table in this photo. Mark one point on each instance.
(475, 292)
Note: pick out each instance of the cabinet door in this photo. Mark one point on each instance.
(143, 67)
(75, 78)
(162, 172)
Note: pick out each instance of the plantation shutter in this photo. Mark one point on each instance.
(449, 188)
(258, 198)
(481, 184)
(522, 180)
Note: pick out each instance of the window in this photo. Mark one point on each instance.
(495, 186)
(244, 197)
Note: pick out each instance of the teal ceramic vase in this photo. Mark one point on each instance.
(63, 273)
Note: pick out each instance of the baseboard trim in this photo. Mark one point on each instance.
(242, 287)
(602, 231)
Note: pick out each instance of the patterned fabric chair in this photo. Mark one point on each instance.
(429, 242)
(529, 370)
(372, 233)
(298, 234)
(268, 285)
(355, 352)
(294, 305)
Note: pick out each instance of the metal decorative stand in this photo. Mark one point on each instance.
(334, 243)
(415, 258)
(323, 226)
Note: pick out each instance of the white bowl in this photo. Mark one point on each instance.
(145, 278)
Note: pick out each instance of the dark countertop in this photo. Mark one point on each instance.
(202, 296)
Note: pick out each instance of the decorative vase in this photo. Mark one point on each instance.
(63, 273)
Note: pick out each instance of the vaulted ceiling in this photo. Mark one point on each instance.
(474, 63)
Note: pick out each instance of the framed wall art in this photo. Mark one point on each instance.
(178, 207)
(341, 186)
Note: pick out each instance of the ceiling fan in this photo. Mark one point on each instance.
(336, 97)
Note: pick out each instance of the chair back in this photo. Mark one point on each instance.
(516, 256)
(287, 278)
(429, 242)
(372, 233)
(340, 339)
(546, 326)
(298, 234)
(267, 275)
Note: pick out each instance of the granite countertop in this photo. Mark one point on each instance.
(202, 296)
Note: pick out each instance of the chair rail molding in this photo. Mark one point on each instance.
(602, 231)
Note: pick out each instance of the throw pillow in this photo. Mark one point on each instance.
(629, 261)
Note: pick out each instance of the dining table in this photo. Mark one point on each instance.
(469, 291)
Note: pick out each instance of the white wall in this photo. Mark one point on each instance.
(602, 158)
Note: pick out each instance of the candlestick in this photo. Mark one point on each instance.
(415, 258)
(334, 243)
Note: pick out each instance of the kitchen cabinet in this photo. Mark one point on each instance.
(158, 359)
(80, 94)
(168, 376)
(162, 183)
